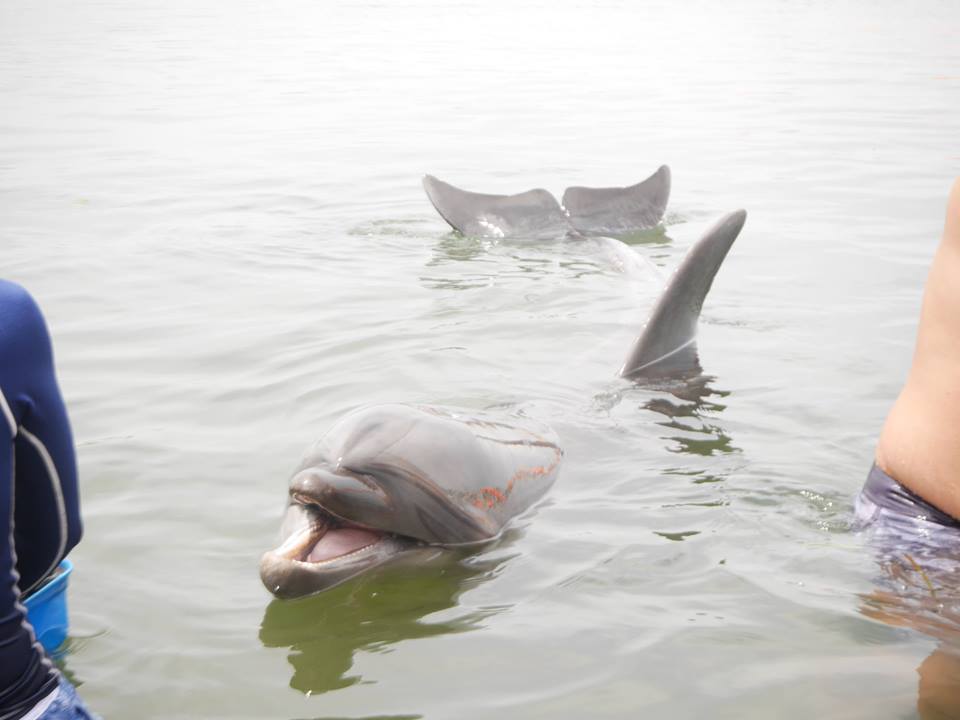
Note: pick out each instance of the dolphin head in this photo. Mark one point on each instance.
(389, 478)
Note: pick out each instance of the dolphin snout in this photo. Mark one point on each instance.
(350, 496)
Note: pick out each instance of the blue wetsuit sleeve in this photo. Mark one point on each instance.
(39, 503)
(47, 509)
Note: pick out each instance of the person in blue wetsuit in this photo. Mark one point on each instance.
(39, 506)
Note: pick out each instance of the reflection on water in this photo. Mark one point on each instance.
(389, 228)
(678, 536)
(700, 477)
(921, 590)
(650, 236)
(454, 247)
(463, 263)
(574, 257)
(371, 613)
(938, 696)
(692, 409)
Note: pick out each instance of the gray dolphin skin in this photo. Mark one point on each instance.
(619, 211)
(537, 214)
(667, 345)
(531, 214)
(390, 478)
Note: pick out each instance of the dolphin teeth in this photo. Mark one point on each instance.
(300, 543)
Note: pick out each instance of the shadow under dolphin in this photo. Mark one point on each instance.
(689, 407)
(324, 632)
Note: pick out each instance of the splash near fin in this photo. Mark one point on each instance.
(532, 214)
(668, 344)
(618, 211)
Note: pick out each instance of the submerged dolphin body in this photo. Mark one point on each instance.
(387, 479)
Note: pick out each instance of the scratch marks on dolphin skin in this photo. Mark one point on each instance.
(529, 443)
(489, 497)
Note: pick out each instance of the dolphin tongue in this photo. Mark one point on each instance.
(342, 541)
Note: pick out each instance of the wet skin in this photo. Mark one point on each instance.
(390, 478)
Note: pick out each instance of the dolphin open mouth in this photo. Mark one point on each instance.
(326, 538)
(322, 550)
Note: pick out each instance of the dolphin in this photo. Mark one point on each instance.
(536, 214)
(667, 344)
(388, 479)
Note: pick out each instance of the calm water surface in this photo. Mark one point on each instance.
(218, 206)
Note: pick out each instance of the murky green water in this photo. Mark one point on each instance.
(218, 206)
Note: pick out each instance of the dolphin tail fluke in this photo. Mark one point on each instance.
(535, 213)
(619, 211)
(667, 346)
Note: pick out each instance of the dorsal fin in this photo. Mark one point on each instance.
(667, 345)
(618, 211)
(532, 214)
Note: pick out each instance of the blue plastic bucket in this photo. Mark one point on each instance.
(47, 609)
